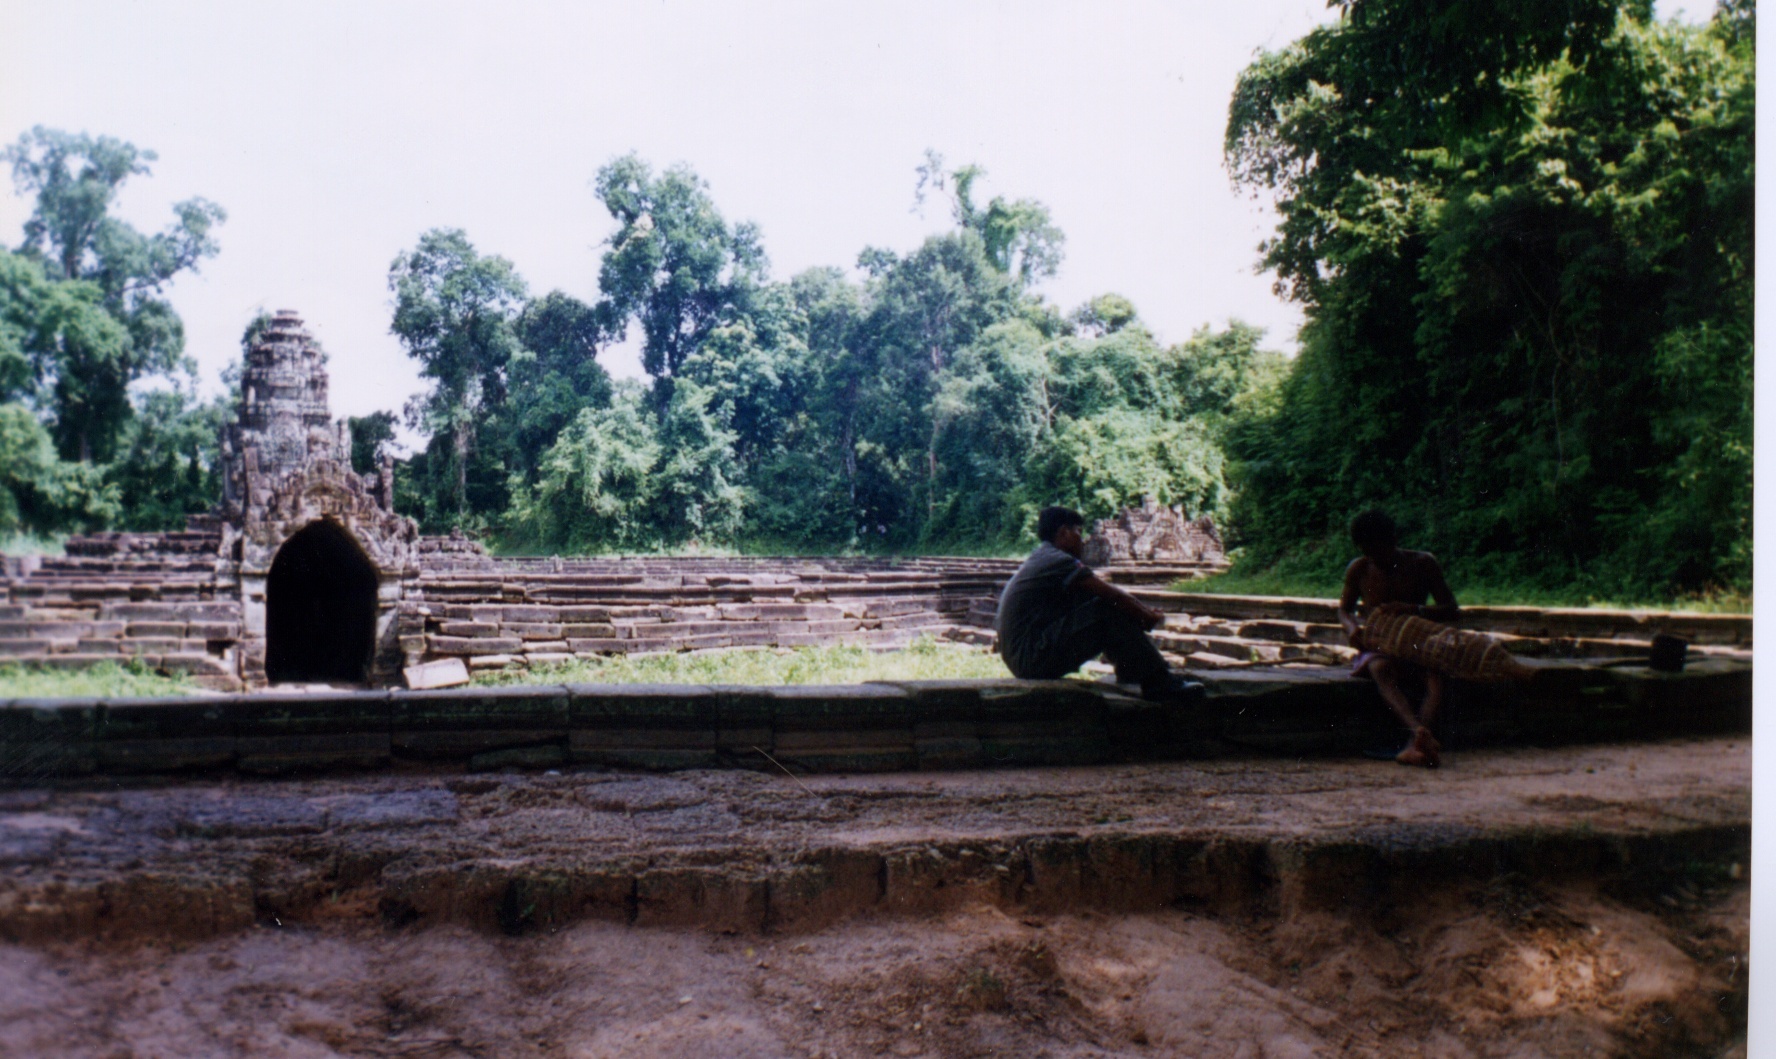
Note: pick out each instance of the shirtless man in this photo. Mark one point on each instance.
(1388, 577)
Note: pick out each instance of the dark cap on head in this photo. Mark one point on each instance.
(1053, 519)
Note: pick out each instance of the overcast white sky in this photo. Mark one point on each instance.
(335, 133)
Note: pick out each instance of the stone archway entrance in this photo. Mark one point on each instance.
(320, 607)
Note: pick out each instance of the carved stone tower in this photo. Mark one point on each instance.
(322, 555)
(284, 419)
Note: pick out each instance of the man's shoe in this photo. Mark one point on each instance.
(1175, 690)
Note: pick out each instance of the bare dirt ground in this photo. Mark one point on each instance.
(1576, 947)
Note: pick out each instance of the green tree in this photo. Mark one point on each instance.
(673, 265)
(39, 492)
(1018, 235)
(455, 312)
(1114, 460)
(168, 462)
(699, 496)
(923, 309)
(371, 435)
(596, 485)
(990, 412)
(1104, 315)
(1522, 237)
(553, 374)
(74, 181)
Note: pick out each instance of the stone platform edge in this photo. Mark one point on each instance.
(875, 727)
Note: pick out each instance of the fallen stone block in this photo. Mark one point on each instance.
(581, 614)
(530, 613)
(593, 646)
(25, 647)
(195, 662)
(146, 646)
(444, 673)
(45, 630)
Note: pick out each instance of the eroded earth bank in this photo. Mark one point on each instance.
(1587, 901)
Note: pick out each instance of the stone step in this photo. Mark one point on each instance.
(1594, 623)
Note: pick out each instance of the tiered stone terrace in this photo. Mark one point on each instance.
(305, 573)
(174, 602)
(538, 611)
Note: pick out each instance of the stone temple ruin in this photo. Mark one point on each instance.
(305, 574)
(1155, 534)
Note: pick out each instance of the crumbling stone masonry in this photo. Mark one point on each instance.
(1155, 534)
(203, 601)
(304, 573)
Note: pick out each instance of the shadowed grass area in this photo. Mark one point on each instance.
(840, 664)
(107, 680)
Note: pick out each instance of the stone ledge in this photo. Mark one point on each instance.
(866, 727)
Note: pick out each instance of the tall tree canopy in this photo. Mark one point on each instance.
(936, 401)
(85, 369)
(673, 265)
(456, 313)
(1521, 233)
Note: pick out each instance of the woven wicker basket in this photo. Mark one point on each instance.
(1458, 653)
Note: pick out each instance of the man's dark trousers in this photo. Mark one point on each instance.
(1095, 627)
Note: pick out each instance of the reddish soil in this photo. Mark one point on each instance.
(1589, 901)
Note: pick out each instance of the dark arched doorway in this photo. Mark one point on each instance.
(320, 607)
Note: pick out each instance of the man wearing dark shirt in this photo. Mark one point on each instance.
(1055, 615)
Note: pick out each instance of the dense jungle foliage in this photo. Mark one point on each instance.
(1521, 233)
(933, 401)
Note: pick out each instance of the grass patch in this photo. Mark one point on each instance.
(32, 544)
(925, 659)
(106, 680)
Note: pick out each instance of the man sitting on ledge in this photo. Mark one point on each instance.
(1055, 615)
(1387, 577)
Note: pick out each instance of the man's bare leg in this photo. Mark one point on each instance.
(1427, 712)
(1424, 749)
(1387, 682)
